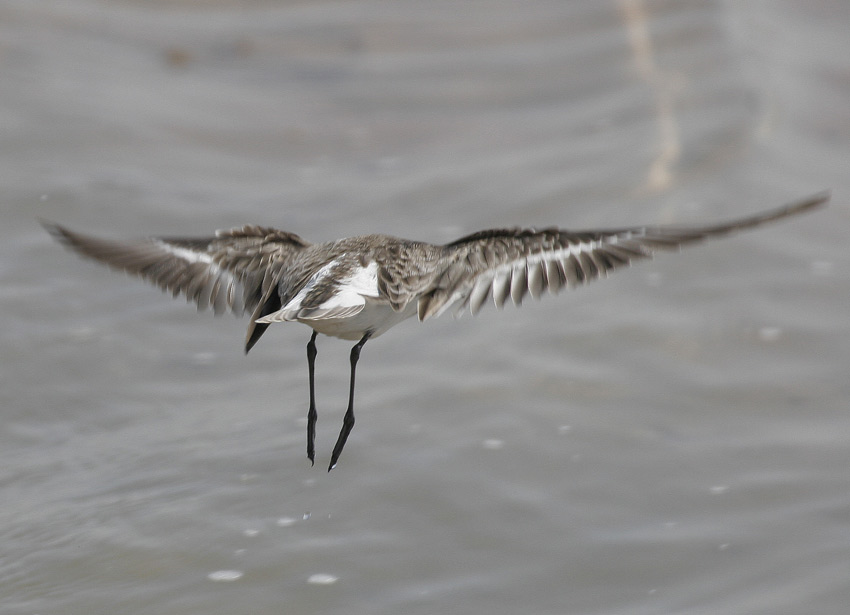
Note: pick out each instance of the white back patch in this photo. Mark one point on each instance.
(350, 292)
(347, 300)
(363, 280)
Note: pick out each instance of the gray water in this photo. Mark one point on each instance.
(673, 440)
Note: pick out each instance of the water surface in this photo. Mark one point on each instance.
(675, 439)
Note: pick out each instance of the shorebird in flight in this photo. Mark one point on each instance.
(358, 288)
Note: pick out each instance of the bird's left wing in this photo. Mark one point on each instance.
(515, 262)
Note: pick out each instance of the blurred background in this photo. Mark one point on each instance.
(675, 439)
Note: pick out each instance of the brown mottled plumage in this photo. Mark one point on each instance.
(359, 287)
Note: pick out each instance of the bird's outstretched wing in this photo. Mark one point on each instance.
(511, 263)
(236, 270)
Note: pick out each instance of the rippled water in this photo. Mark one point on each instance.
(675, 439)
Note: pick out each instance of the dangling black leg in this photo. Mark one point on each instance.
(311, 412)
(348, 419)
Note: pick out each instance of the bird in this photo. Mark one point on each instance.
(357, 288)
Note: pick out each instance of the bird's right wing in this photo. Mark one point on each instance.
(234, 271)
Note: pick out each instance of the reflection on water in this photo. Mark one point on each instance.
(663, 87)
(673, 439)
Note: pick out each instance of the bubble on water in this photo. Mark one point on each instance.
(769, 334)
(251, 532)
(285, 521)
(225, 575)
(493, 444)
(321, 578)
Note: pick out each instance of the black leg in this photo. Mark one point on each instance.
(311, 413)
(348, 419)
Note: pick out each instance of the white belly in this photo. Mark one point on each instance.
(376, 317)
